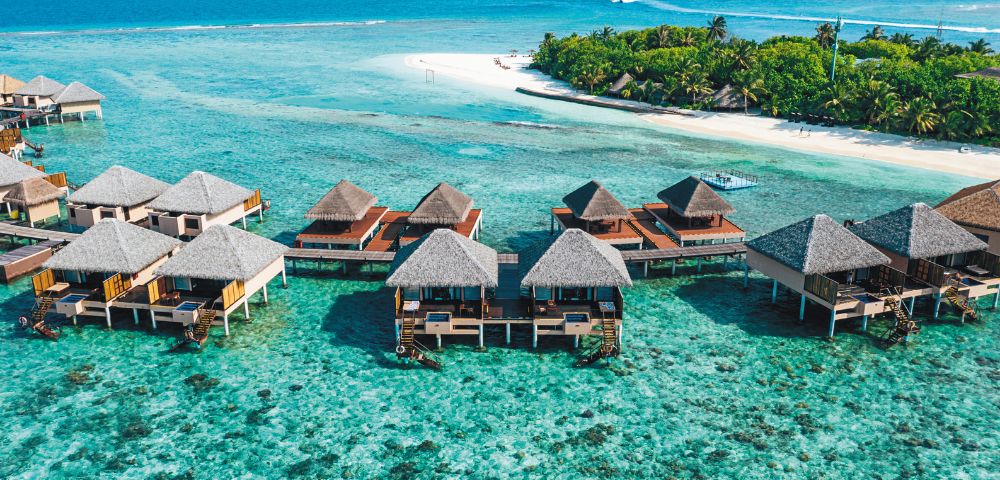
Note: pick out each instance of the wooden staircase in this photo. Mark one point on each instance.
(960, 303)
(38, 313)
(609, 346)
(198, 333)
(903, 327)
(409, 348)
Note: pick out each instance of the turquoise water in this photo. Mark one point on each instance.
(714, 382)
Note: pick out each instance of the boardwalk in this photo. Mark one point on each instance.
(644, 223)
(35, 233)
(393, 224)
(25, 259)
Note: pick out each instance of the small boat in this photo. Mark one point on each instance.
(729, 179)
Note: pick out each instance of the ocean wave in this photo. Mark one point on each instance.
(769, 16)
(187, 28)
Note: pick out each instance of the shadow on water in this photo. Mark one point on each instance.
(363, 319)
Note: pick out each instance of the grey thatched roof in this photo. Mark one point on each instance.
(113, 246)
(442, 206)
(692, 197)
(620, 84)
(917, 231)
(444, 258)
(223, 253)
(990, 72)
(40, 86)
(77, 92)
(200, 193)
(573, 259)
(9, 84)
(592, 202)
(728, 98)
(975, 206)
(345, 202)
(118, 187)
(818, 245)
(33, 191)
(13, 171)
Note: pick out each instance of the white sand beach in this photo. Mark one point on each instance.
(981, 162)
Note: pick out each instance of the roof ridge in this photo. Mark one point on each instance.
(232, 243)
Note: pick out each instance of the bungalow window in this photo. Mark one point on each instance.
(411, 294)
(73, 276)
(577, 293)
(605, 294)
(154, 220)
(181, 283)
(437, 293)
(543, 294)
(191, 223)
(472, 293)
(72, 213)
(107, 214)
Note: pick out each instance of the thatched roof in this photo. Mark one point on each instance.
(442, 206)
(728, 98)
(33, 191)
(692, 197)
(9, 84)
(223, 253)
(13, 171)
(77, 92)
(818, 245)
(200, 193)
(118, 187)
(573, 259)
(917, 231)
(345, 202)
(113, 246)
(444, 258)
(620, 84)
(990, 72)
(975, 206)
(592, 202)
(40, 86)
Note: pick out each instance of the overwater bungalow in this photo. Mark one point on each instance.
(694, 214)
(38, 94)
(8, 85)
(12, 173)
(97, 269)
(575, 283)
(35, 200)
(119, 193)
(346, 217)
(212, 276)
(200, 201)
(78, 99)
(976, 209)
(595, 210)
(443, 207)
(938, 257)
(443, 282)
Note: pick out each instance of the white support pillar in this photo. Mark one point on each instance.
(746, 276)
(107, 315)
(621, 337)
(264, 290)
(225, 323)
(802, 308)
(152, 318)
(774, 293)
(996, 299)
(480, 336)
(135, 315)
(438, 340)
(913, 300)
(673, 267)
(284, 278)
(937, 305)
(864, 323)
(244, 222)
(576, 342)
(246, 309)
(508, 333)
(645, 269)
(260, 214)
(833, 322)
(534, 336)
(699, 264)
(74, 319)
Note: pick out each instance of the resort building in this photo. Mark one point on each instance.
(346, 217)
(8, 85)
(118, 193)
(694, 214)
(575, 283)
(595, 210)
(34, 200)
(200, 201)
(939, 257)
(443, 283)
(12, 173)
(97, 269)
(976, 209)
(78, 99)
(38, 94)
(212, 276)
(443, 207)
(826, 264)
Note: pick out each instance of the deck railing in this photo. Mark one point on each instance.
(823, 287)
(9, 138)
(252, 202)
(987, 261)
(887, 276)
(154, 292)
(232, 293)
(115, 286)
(40, 168)
(43, 281)
(58, 179)
(927, 271)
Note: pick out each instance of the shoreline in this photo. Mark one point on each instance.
(927, 154)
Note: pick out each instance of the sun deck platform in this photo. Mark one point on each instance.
(680, 229)
(343, 233)
(469, 228)
(626, 235)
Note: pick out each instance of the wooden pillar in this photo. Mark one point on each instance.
(225, 323)
(802, 308)
(774, 293)
(833, 322)
(864, 323)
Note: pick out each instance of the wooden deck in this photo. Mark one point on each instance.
(679, 253)
(26, 259)
(392, 224)
(627, 235)
(35, 233)
(466, 229)
(342, 233)
(644, 223)
(679, 226)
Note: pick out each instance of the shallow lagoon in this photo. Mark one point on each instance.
(715, 382)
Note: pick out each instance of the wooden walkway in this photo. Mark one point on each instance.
(644, 223)
(35, 233)
(26, 259)
(392, 224)
(680, 253)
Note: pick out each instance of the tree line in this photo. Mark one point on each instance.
(896, 83)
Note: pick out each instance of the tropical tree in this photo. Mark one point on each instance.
(927, 48)
(590, 76)
(751, 90)
(920, 116)
(825, 35)
(687, 40)
(980, 46)
(662, 36)
(606, 33)
(630, 89)
(836, 99)
(903, 39)
(952, 125)
(742, 55)
(876, 33)
(695, 85)
(877, 102)
(717, 29)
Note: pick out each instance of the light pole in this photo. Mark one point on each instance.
(836, 46)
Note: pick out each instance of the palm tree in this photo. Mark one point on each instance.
(825, 35)
(696, 85)
(877, 102)
(606, 33)
(952, 126)
(687, 40)
(929, 47)
(977, 124)
(630, 88)
(837, 98)
(549, 38)
(919, 116)
(662, 36)
(717, 29)
(742, 54)
(751, 92)
(980, 46)
(903, 39)
(590, 77)
(876, 33)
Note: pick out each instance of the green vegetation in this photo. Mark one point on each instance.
(886, 83)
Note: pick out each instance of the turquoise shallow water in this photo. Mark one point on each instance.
(714, 383)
